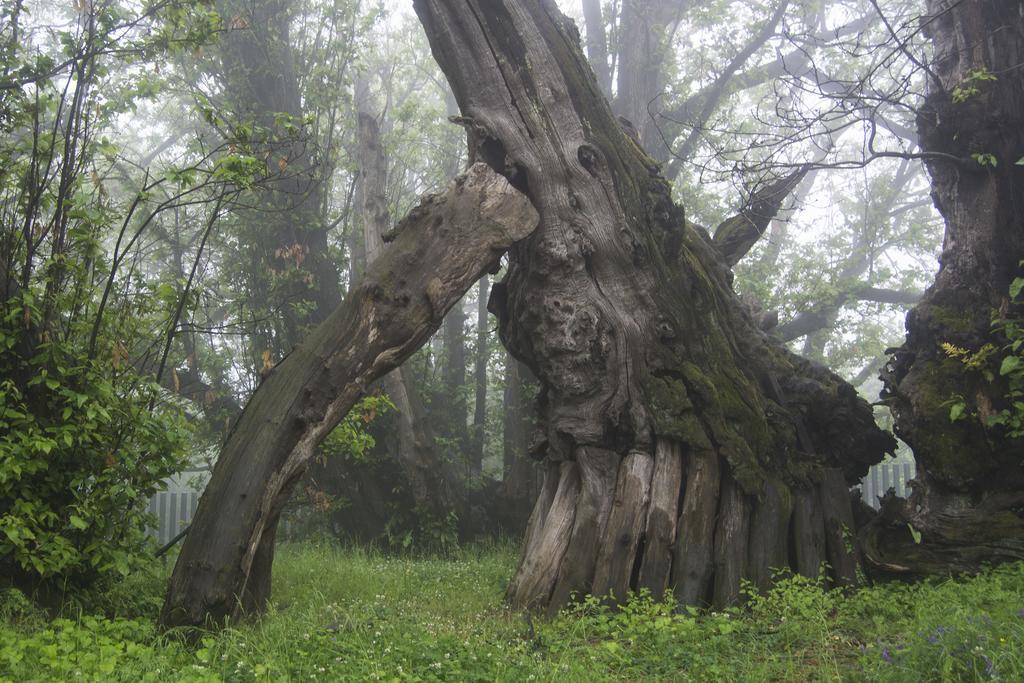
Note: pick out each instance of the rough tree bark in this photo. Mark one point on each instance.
(660, 397)
(968, 497)
(440, 250)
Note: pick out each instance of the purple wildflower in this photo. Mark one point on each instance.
(886, 656)
(988, 665)
(1020, 613)
(933, 639)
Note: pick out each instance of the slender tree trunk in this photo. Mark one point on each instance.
(597, 45)
(476, 453)
(521, 476)
(645, 49)
(442, 247)
(516, 431)
(649, 366)
(432, 485)
(967, 504)
(454, 380)
(294, 274)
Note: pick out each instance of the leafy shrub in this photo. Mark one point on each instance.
(84, 442)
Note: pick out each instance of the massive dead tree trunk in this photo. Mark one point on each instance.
(668, 415)
(442, 247)
(968, 496)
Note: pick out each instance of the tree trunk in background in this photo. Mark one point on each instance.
(453, 377)
(597, 45)
(441, 249)
(476, 451)
(297, 278)
(968, 496)
(659, 396)
(433, 486)
(645, 43)
(517, 428)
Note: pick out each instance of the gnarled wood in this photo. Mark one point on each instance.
(840, 538)
(626, 316)
(768, 547)
(662, 518)
(808, 533)
(730, 543)
(441, 249)
(534, 580)
(618, 555)
(692, 570)
(431, 483)
(598, 468)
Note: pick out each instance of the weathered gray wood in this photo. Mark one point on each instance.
(624, 312)
(539, 514)
(598, 470)
(691, 571)
(840, 538)
(768, 547)
(618, 553)
(731, 535)
(808, 533)
(441, 249)
(534, 579)
(662, 518)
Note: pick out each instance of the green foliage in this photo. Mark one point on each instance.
(1005, 363)
(970, 85)
(81, 450)
(1011, 367)
(353, 615)
(350, 439)
(985, 159)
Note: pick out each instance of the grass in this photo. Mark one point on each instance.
(344, 614)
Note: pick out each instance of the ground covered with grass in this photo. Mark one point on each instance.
(342, 614)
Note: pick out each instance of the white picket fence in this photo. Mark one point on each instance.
(175, 506)
(884, 476)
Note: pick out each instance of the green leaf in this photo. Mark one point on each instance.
(1017, 285)
(78, 522)
(1009, 364)
(956, 411)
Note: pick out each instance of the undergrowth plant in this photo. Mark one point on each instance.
(356, 615)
